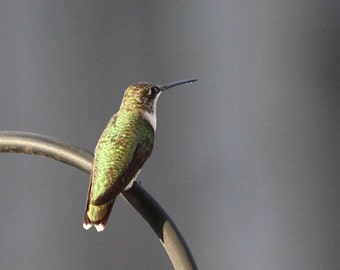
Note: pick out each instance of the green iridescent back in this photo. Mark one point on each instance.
(115, 150)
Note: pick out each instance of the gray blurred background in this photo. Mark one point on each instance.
(246, 160)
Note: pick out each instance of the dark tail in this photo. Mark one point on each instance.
(103, 210)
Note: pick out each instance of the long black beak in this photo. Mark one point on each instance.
(170, 85)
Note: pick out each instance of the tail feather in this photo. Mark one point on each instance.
(103, 211)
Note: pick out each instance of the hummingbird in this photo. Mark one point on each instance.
(125, 144)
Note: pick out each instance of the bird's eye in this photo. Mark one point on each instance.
(154, 90)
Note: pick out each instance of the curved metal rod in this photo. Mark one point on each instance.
(45, 146)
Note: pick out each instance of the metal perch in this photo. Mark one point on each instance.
(45, 146)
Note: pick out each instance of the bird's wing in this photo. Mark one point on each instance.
(140, 155)
(119, 155)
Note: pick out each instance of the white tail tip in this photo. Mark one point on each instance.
(87, 226)
(99, 227)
